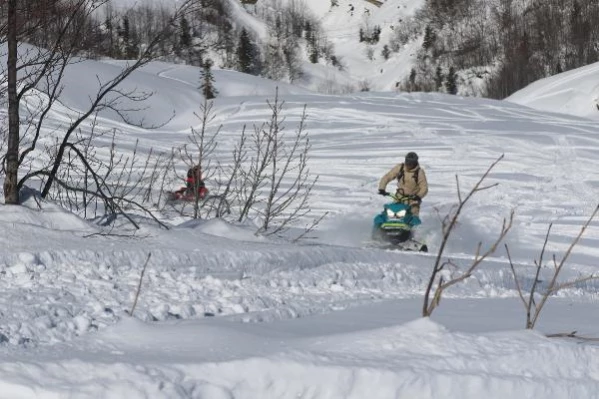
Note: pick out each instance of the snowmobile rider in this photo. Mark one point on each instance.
(195, 181)
(411, 181)
(194, 174)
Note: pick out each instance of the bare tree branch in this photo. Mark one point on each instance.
(449, 223)
(518, 288)
(533, 310)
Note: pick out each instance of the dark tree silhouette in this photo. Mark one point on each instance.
(451, 83)
(207, 81)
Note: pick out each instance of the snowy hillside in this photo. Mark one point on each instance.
(342, 25)
(575, 92)
(224, 313)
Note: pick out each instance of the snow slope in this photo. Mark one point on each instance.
(225, 314)
(342, 26)
(575, 92)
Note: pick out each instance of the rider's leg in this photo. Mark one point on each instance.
(415, 209)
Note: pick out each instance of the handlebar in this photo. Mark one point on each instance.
(401, 198)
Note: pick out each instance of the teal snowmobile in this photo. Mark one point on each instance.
(394, 227)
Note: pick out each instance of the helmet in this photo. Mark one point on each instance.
(411, 160)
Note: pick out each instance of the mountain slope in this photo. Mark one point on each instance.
(341, 25)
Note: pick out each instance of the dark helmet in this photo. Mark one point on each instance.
(411, 160)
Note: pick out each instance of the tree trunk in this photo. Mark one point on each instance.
(11, 193)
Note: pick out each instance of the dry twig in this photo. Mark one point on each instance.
(533, 310)
(141, 277)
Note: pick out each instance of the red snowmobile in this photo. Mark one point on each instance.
(188, 192)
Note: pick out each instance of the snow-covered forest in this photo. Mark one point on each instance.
(474, 47)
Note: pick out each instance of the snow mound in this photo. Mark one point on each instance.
(221, 228)
(420, 359)
(45, 215)
(574, 92)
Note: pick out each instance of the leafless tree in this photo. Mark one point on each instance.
(438, 283)
(534, 306)
(43, 70)
(107, 187)
(276, 183)
(199, 151)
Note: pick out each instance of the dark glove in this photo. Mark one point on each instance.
(383, 192)
(416, 198)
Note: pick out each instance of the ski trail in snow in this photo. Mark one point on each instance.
(164, 74)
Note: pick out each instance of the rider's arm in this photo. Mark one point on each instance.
(422, 184)
(392, 174)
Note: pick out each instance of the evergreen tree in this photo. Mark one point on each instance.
(109, 47)
(439, 78)
(386, 53)
(429, 37)
(245, 53)
(308, 30)
(579, 34)
(185, 34)
(207, 81)
(412, 79)
(451, 83)
(314, 54)
(124, 32)
(313, 50)
(129, 38)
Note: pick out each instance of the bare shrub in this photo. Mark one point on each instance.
(104, 187)
(276, 182)
(198, 152)
(533, 306)
(438, 283)
(266, 179)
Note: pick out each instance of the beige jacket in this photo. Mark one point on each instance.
(407, 185)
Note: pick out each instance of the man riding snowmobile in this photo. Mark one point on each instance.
(411, 181)
(395, 224)
(194, 181)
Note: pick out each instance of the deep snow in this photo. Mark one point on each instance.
(226, 314)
